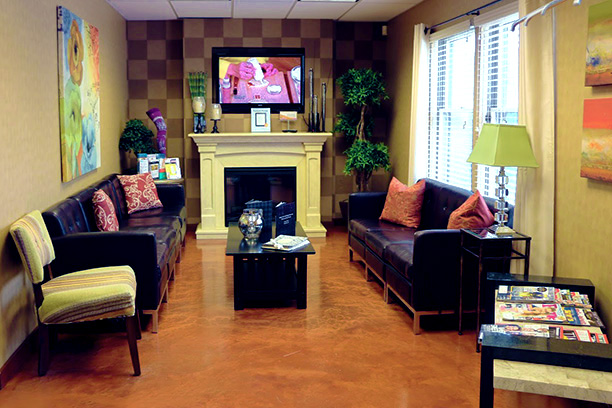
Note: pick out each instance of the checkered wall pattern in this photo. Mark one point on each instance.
(155, 77)
(186, 46)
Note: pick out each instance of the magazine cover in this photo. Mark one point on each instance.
(526, 312)
(534, 330)
(599, 338)
(575, 316)
(526, 294)
(592, 318)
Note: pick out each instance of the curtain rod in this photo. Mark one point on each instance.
(475, 12)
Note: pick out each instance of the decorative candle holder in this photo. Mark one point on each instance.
(215, 115)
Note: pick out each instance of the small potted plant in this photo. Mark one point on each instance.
(136, 138)
(363, 90)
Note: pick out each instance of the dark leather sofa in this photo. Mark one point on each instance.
(149, 241)
(419, 266)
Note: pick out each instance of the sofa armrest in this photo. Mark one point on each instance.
(366, 204)
(87, 250)
(435, 266)
(171, 195)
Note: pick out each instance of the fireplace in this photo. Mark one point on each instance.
(220, 151)
(259, 183)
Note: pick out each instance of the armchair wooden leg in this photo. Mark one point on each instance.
(138, 328)
(132, 330)
(43, 349)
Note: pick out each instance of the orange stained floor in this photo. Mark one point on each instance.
(347, 349)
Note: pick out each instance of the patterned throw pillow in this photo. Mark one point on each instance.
(403, 203)
(473, 213)
(140, 192)
(104, 211)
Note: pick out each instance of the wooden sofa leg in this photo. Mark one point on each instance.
(43, 349)
(179, 256)
(155, 321)
(350, 255)
(386, 294)
(416, 328)
(132, 335)
(367, 274)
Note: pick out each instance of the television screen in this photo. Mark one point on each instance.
(258, 77)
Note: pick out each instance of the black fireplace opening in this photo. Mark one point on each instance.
(256, 183)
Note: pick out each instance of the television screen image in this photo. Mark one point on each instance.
(260, 79)
(265, 77)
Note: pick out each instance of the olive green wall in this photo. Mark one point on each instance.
(582, 209)
(29, 130)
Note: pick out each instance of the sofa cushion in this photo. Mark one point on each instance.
(439, 201)
(403, 203)
(379, 240)
(473, 213)
(400, 256)
(140, 192)
(359, 227)
(104, 211)
(66, 217)
(163, 234)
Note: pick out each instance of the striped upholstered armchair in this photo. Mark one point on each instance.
(81, 296)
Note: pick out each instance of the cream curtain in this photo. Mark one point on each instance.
(535, 196)
(418, 110)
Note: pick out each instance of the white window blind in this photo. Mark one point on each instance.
(473, 79)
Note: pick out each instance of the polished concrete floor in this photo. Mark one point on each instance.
(347, 349)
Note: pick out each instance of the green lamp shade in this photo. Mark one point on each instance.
(503, 145)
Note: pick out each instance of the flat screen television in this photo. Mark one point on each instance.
(245, 78)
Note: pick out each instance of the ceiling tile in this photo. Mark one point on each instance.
(203, 9)
(375, 11)
(262, 9)
(144, 10)
(319, 10)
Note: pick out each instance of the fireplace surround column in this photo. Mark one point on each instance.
(220, 150)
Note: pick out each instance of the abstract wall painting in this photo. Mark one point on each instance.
(79, 94)
(599, 45)
(596, 160)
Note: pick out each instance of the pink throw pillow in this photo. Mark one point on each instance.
(140, 192)
(403, 203)
(473, 213)
(104, 212)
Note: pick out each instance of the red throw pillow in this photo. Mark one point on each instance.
(140, 192)
(104, 211)
(403, 203)
(473, 213)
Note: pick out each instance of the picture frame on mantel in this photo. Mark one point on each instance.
(260, 120)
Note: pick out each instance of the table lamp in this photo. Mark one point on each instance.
(503, 146)
(215, 115)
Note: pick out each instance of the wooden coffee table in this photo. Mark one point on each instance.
(264, 275)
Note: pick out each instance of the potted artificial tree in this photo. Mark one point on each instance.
(136, 138)
(363, 90)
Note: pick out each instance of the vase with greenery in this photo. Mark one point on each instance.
(197, 88)
(363, 90)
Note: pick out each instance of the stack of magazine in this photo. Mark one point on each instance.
(286, 243)
(543, 308)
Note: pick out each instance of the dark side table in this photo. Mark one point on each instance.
(484, 245)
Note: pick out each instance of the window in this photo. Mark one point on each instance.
(473, 79)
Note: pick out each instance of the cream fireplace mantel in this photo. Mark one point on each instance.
(221, 150)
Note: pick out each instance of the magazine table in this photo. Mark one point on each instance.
(262, 275)
(562, 368)
(483, 244)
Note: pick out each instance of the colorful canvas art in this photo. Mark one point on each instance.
(79, 92)
(599, 45)
(597, 140)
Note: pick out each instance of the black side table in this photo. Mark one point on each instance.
(481, 244)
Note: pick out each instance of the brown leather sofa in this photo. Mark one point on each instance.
(419, 266)
(149, 241)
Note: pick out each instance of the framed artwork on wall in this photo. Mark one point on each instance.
(599, 45)
(79, 94)
(596, 161)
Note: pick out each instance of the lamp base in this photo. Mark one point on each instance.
(504, 230)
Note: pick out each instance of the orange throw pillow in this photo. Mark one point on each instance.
(473, 213)
(403, 203)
